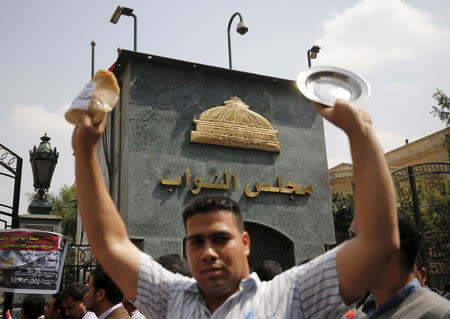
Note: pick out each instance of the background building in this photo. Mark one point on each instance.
(428, 149)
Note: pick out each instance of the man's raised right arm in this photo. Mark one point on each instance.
(104, 227)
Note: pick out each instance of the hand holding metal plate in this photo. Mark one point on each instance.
(326, 84)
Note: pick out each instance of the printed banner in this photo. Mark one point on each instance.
(31, 261)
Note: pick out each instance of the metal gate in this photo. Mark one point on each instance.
(78, 266)
(12, 163)
(424, 191)
(11, 168)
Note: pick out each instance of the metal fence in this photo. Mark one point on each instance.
(79, 264)
(424, 191)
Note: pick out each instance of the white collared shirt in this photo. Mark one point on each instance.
(89, 315)
(107, 312)
(306, 291)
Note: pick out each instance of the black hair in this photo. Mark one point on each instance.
(101, 280)
(268, 269)
(208, 204)
(175, 263)
(33, 306)
(409, 239)
(76, 291)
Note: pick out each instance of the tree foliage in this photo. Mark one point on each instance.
(342, 206)
(442, 109)
(64, 204)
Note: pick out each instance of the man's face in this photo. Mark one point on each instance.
(74, 309)
(217, 252)
(49, 310)
(90, 296)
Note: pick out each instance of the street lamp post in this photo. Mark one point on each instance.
(43, 161)
(241, 29)
(312, 54)
(92, 58)
(123, 11)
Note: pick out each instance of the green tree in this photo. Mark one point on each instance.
(442, 109)
(342, 206)
(65, 205)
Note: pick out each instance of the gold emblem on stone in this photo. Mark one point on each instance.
(233, 124)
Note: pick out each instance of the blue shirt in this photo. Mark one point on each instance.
(395, 300)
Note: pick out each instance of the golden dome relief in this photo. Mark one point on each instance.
(235, 112)
(233, 124)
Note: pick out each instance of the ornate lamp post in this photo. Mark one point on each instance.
(312, 54)
(43, 161)
(241, 28)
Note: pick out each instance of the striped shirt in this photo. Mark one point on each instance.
(306, 291)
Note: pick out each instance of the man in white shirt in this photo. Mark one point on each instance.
(104, 298)
(217, 246)
(73, 302)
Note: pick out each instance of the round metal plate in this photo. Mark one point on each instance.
(326, 84)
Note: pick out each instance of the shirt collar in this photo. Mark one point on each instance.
(393, 301)
(250, 282)
(245, 284)
(107, 312)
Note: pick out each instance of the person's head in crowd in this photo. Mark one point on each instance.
(217, 246)
(33, 307)
(401, 266)
(128, 305)
(175, 263)
(409, 242)
(54, 309)
(73, 304)
(102, 293)
(268, 269)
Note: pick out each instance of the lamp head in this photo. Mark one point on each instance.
(119, 12)
(241, 28)
(313, 51)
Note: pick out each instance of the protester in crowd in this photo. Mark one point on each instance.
(104, 298)
(217, 246)
(268, 269)
(73, 302)
(33, 307)
(398, 293)
(132, 310)
(54, 309)
(175, 263)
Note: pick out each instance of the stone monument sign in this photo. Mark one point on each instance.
(182, 130)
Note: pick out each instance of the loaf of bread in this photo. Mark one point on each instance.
(97, 98)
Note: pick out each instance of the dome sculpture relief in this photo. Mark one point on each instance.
(233, 124)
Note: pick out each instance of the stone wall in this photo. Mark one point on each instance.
(150, 139)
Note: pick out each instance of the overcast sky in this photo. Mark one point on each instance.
(401, 47)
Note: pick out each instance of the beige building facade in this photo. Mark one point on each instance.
(428, 149)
